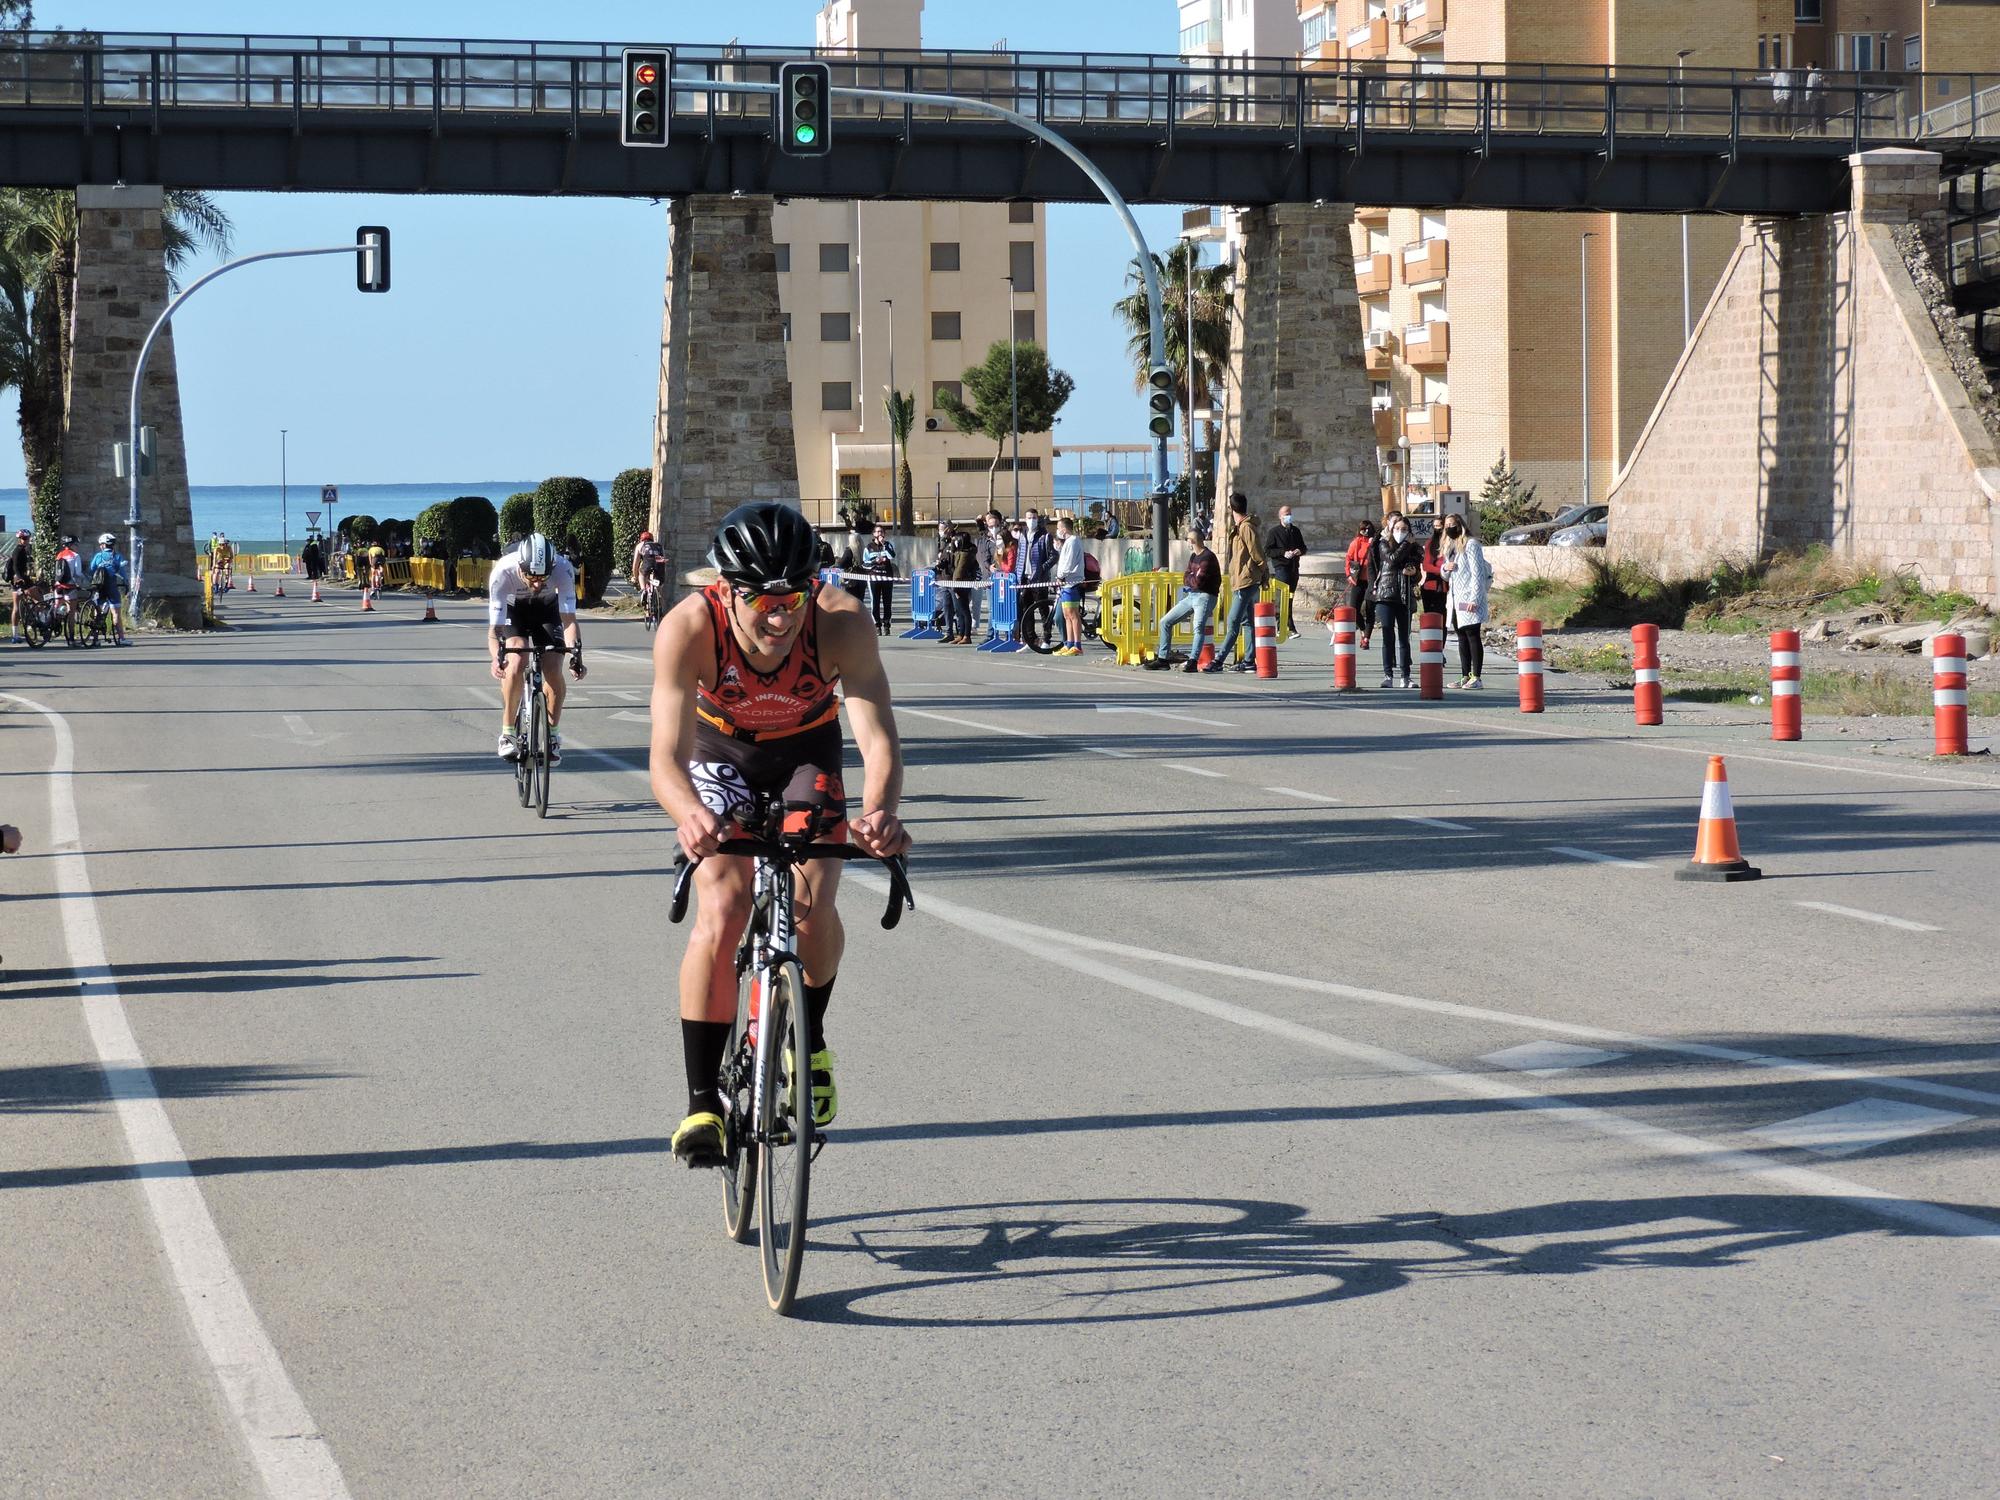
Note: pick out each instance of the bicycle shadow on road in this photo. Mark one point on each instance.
(1075, 1262)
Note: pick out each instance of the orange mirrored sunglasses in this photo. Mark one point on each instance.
(767, 604)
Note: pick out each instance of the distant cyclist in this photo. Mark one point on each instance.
(531, 601)
(109, 581)
(647, 558)
(222, 557)
(378, 567)
(20, 573)
(745, 705)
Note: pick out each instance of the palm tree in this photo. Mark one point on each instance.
(1212, 307)
(38, 230)
(902, 411)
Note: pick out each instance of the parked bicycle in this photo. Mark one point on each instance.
(769, 1139)
(532, 766)
(39, 620)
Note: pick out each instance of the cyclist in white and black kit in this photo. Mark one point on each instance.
(531, 600)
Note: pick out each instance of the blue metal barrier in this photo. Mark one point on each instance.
(923, 607)
(1004, 597)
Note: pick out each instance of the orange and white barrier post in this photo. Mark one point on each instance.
(1787, 711)
(316, 598)
(1528, 664)
(1948, 694)
(1344, 656)
(1264, 637)
(1717, 856)
(1647, 704)
(1430, 656)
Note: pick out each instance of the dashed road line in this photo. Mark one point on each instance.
(922, 713)
(1174, 765)
(1292, 791)
(1860, 1126)
(1591, 856)
(1902, 923)
(1435, 823)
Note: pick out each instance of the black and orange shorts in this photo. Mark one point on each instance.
(801, 771)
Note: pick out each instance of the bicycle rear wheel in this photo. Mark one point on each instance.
(541, 761)
(93, 628)
(36, 629)
(1038, 630)
(785, 1136)
(739, 1160)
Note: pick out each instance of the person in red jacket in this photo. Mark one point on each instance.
(1431, 587)
(1359, 553)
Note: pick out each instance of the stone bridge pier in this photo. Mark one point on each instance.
(121, 288)
(722, 431)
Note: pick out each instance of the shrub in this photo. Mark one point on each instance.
(1505, 502)
(631, 507)
(391, 532)
(1534, 586)
(517, 517)
(45, 516)
(589, 540)
(557, 499)
(357, 529)
(430, 533)
(474, 526)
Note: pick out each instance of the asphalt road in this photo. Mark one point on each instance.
(1271, 1095)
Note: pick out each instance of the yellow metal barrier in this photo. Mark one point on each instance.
(1273, 592)
(1132, 605)
(475, 573)
(267, 562)
(427, 573)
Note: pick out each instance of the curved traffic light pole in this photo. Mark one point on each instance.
(139, 379)
(1156, 330)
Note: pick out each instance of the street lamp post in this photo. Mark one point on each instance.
(284, 508)
(895, 490)
(1014, 394)
(1583, 249)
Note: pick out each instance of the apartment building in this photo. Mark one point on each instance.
(918, 289)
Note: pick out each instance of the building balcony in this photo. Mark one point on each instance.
(1380, 356)
(1387, 428)
(1426, 260)
(1373, 274)
(1427, 343)
(1430, 423)
(1418, 20)
(1367, 41)
(1371, 213)
(1325, 55)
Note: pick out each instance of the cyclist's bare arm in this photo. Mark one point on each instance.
(680, 653)
(848, 642)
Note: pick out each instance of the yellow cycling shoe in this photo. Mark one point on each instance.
(825, 1096)
(698, 1141)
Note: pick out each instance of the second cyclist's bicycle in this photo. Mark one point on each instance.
(532, 765)
(769, 1140)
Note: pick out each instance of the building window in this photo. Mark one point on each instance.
(836, 395)
(1021, 265)
(785, 319)
(784, 256)
(850, 486)
(1858, 52)
(1763, 57)
(1379, 398)
(944, 255)
(1024, 325)
(940, 389)
(944, 325)
(833, 257)
(1806, 12)
(1430, 463)
(834, 328)
(1020, 213)
(1913, 54)
(981, 465)
(1318, 27)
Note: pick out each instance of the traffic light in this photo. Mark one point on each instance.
(642, 117)
(805, 100)
(371, 258)
(1161, 379)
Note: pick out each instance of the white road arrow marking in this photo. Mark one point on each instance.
(631, 718)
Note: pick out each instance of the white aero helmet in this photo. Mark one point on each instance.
(106, 539)
(535, 555)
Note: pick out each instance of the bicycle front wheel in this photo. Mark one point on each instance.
(524, 765)
(1038, 631)
(739, 1158)
(93, 629)
(541, 761)
(36, 629)
(785, 1136)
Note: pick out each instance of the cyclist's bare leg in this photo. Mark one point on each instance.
(512, 670)
(708, 969)
(554, 687)
(821, 938)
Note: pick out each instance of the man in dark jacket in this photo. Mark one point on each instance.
(1284, 545)
(1394, 566)
(958, 563)
(1248, 573)
(1200, 585)
(20, 572)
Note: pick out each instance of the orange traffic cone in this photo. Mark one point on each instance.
(278, 589)
(253, 583)
(430, 612)
(316, 598)
(1716, 855)
(1207, 655)
(367, 603)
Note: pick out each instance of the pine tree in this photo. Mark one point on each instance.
(1504, 501)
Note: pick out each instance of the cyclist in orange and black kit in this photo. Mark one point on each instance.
(745, 704)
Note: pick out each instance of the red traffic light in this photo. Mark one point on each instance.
(645, 73)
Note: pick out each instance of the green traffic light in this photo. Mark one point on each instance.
(805, 135)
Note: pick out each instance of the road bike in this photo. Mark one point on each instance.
(769, 1139)
(38, 615)
(96, 622)
(1041, 619)
(531, 731)
(655, 599)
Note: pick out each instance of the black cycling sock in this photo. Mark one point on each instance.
(817, 996)
(702, 1046)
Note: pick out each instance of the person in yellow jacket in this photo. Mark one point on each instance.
(1249, 571)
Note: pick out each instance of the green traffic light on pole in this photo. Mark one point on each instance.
(1161, 401)
(805, 90)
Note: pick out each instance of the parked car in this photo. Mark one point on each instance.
(1537, 533)
(1589, 530)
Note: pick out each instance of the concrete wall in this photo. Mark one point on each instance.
(1819, 403)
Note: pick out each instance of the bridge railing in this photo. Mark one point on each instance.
(301, 74)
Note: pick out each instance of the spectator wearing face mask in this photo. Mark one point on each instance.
(1360, 557)
(1430, 578)
(1249, 571)
(1284, 545)
(1393, 572)
(1468, 579)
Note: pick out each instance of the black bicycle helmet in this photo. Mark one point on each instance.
(767, 545)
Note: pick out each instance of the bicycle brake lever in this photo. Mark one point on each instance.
(901, 898)
(683, 878)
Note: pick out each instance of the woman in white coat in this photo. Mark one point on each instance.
(1468, 580)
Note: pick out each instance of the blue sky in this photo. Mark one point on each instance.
(521, 336)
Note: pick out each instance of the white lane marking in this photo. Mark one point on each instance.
(1545, 1059)
(298, 726)
(1173, 765)
(1865, 1123)
(1026, 938)
(918, 713)
(1593, 857)
(1434, 823)
(1160, 713)
(1630, 1041)
(1292, 791)
(1903, 923)
(624, 656)
(290, 1453)
(1113, 752)
(627, 695)
(631, 718)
